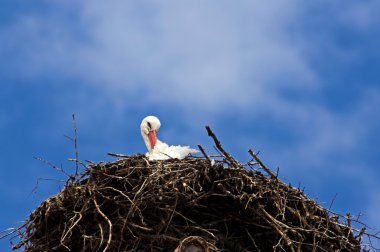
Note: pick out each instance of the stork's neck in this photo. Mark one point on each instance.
(146, 141)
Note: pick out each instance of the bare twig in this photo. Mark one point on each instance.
(75, 146)
(109, 224)
(360, 234)
(74, 140)
(203, 152)
(262, 165)
(60, 169)
(117, 155)
(348, 217)
(277, 172)
(232, 161)
(8, 232)
(34, 190)
(332, 201)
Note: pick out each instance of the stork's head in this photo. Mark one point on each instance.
(149, 127)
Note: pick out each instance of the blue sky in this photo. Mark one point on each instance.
(297, 80)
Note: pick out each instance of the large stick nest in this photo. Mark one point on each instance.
(195, 204)
(138, 205)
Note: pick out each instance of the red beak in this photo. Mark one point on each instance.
(152, 138)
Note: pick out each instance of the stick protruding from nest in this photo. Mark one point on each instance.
(218, 145)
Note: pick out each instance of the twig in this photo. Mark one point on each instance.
(277, 225)
(362, 231)
(8, 232)
(117, 155)
(203, 152)
(232, 161)
(277, 172)
(109, 224)
(262, 165)
(348, 217)
(253, 240)
(332, 201)
(74, 140)
(76, 147)
(60, 169)
(65, 234)
(47, 179)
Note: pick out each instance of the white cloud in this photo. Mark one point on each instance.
(362, 15)
(322, 134)
(196, 56)
(210, 55)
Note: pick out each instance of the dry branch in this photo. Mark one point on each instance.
(262, 165)
(203, 152)
(218, 145)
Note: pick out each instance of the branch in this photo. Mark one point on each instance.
(232, 161)
(117, 155)
(262, 165)
(203, 152)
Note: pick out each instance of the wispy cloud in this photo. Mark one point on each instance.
(194, 56)
(207, 60)
(199, 58)
(323, 133)
(214, 55)
(360, 15)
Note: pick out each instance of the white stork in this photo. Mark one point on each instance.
(158, 150)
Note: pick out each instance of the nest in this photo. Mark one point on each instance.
(195, 204)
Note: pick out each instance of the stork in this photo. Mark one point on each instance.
(158, 150)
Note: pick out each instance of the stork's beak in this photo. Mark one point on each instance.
(152, 138)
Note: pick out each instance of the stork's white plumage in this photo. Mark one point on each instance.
(158, 150)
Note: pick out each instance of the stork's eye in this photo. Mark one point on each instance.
(150, 126)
